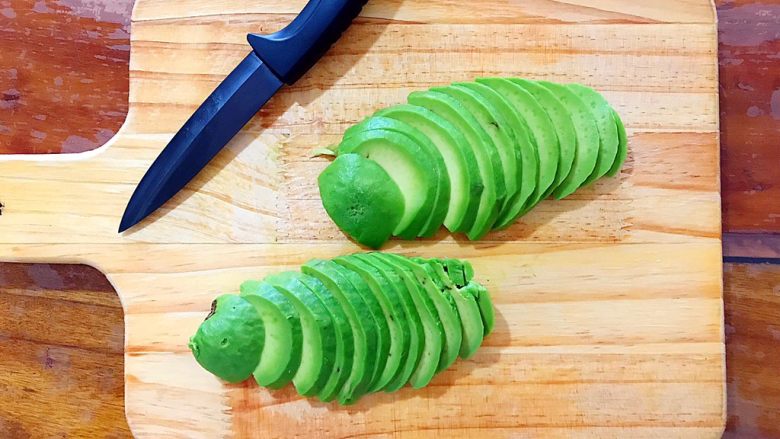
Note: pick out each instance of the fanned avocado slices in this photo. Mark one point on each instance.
(341, 329)
(473, 156)
(564, 128)
(364, 329)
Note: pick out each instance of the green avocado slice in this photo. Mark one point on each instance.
(564, 128)
(459, 271)
(432, 326)
(409, 165)
(229, 342)
(525, 150)
(485, 105)
(283, 336)
(394, 315)
(445, 307)
(587, 139)
(399, 293)
(364, 329)
(345, 345)
(601, 112)
(383, 331)
(442, 199)
(461, 164)
(497, 147)
(473, 329)
(622, 152)
(543, 130)
(319, 335)
(486, 308)
(362, 199)
(488, 160)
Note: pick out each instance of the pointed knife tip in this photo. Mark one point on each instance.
(126, 223)
(123, 227)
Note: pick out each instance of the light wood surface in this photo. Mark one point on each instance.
(610, 310)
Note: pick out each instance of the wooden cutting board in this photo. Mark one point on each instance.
(610, 318)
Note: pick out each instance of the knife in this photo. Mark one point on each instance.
(277, 59)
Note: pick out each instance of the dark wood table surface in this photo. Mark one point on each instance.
(64, 88)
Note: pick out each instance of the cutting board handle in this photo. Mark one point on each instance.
(56, 199)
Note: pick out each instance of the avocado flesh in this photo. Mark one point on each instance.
(283, 337)
(408, 165)
(483, 102)
(394, 315)
(445, 307)
(564, 128)
(398, 292)
(442, 197)
(432, 327)
(601, 112)
(524, 149)
(486, 308)
(319, 334)
(587, 139)
(543, 130)
(383, 330)
(498, 146)
(364, 330)
(465, 299)
(485, 152)
(622, 151)
(465, 181)
(362, 199)
(230, 342)
(345, 345)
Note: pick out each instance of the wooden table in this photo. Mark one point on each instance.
(61, 332)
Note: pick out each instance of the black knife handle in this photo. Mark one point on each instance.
(292, 51)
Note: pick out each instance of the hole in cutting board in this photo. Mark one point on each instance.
(61, 351)
(70, 93)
